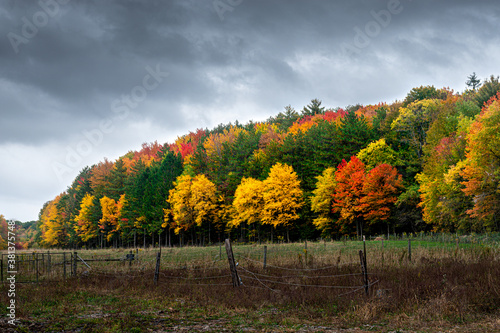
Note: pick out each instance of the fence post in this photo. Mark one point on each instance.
(48, 262)
(157, 269)
(75, 262)
(36, 264)
(232, 265)
(64, 264)
(305, 252)
(409, 250)
(364, 270)
(265, 256)
(364, 249)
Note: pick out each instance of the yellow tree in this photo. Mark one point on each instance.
(180, 204)
(203, 199)
(52, 224)
(192, 201)
(282, 196)
(248, 202)
(123, 223)
(321, 202)
(84, 226)
(109, 223)
(376, 153)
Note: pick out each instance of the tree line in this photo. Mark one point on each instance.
(427, 163)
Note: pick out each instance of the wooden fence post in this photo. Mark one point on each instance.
(48, 262)
(64, 264)
(157, 269)
(305, 252)
(265, 256)
(232, 265)
(364, 270)
(409, 250)
(75, 262)
(36, 264)
(364, 249)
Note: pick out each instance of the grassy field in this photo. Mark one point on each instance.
(446, 287)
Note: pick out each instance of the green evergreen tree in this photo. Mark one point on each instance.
(473, 82)
(355, 134)
(488, 89)
(313, 108)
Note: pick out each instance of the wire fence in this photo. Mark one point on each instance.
(271, 269)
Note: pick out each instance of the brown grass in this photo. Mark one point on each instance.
(437, 289)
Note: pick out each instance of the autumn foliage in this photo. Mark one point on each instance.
(427, 163)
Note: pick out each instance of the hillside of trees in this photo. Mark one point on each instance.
(427, 163)
(21, 234)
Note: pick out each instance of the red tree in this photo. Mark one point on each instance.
(348, 193)
(381, 187)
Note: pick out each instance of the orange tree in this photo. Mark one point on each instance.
(482, 166)
(381, 188)
(348, 193)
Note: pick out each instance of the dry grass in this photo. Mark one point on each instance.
(440, 288)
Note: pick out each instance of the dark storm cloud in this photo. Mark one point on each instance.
(226, 60)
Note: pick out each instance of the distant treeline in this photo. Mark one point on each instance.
(428, 163)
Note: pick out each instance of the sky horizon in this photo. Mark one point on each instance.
(84, 81)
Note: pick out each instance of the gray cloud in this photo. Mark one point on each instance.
(244, 63)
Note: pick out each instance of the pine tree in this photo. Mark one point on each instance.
(473, 82)
(313, 108)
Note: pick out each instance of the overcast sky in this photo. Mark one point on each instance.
(84, 80)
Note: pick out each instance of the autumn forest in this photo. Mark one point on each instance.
(430, 162)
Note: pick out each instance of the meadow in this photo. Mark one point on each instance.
(450, 284)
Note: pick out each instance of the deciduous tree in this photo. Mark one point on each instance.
(350, 178)
(248, 202)
(381, 188)
(85, 226)
(482, 167)
(322, 199)
(282, 196)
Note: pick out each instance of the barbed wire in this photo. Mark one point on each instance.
(199, 284)
(256, 278)
(304, 276)
(300, 269)
(301, 285)
(199, 278)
